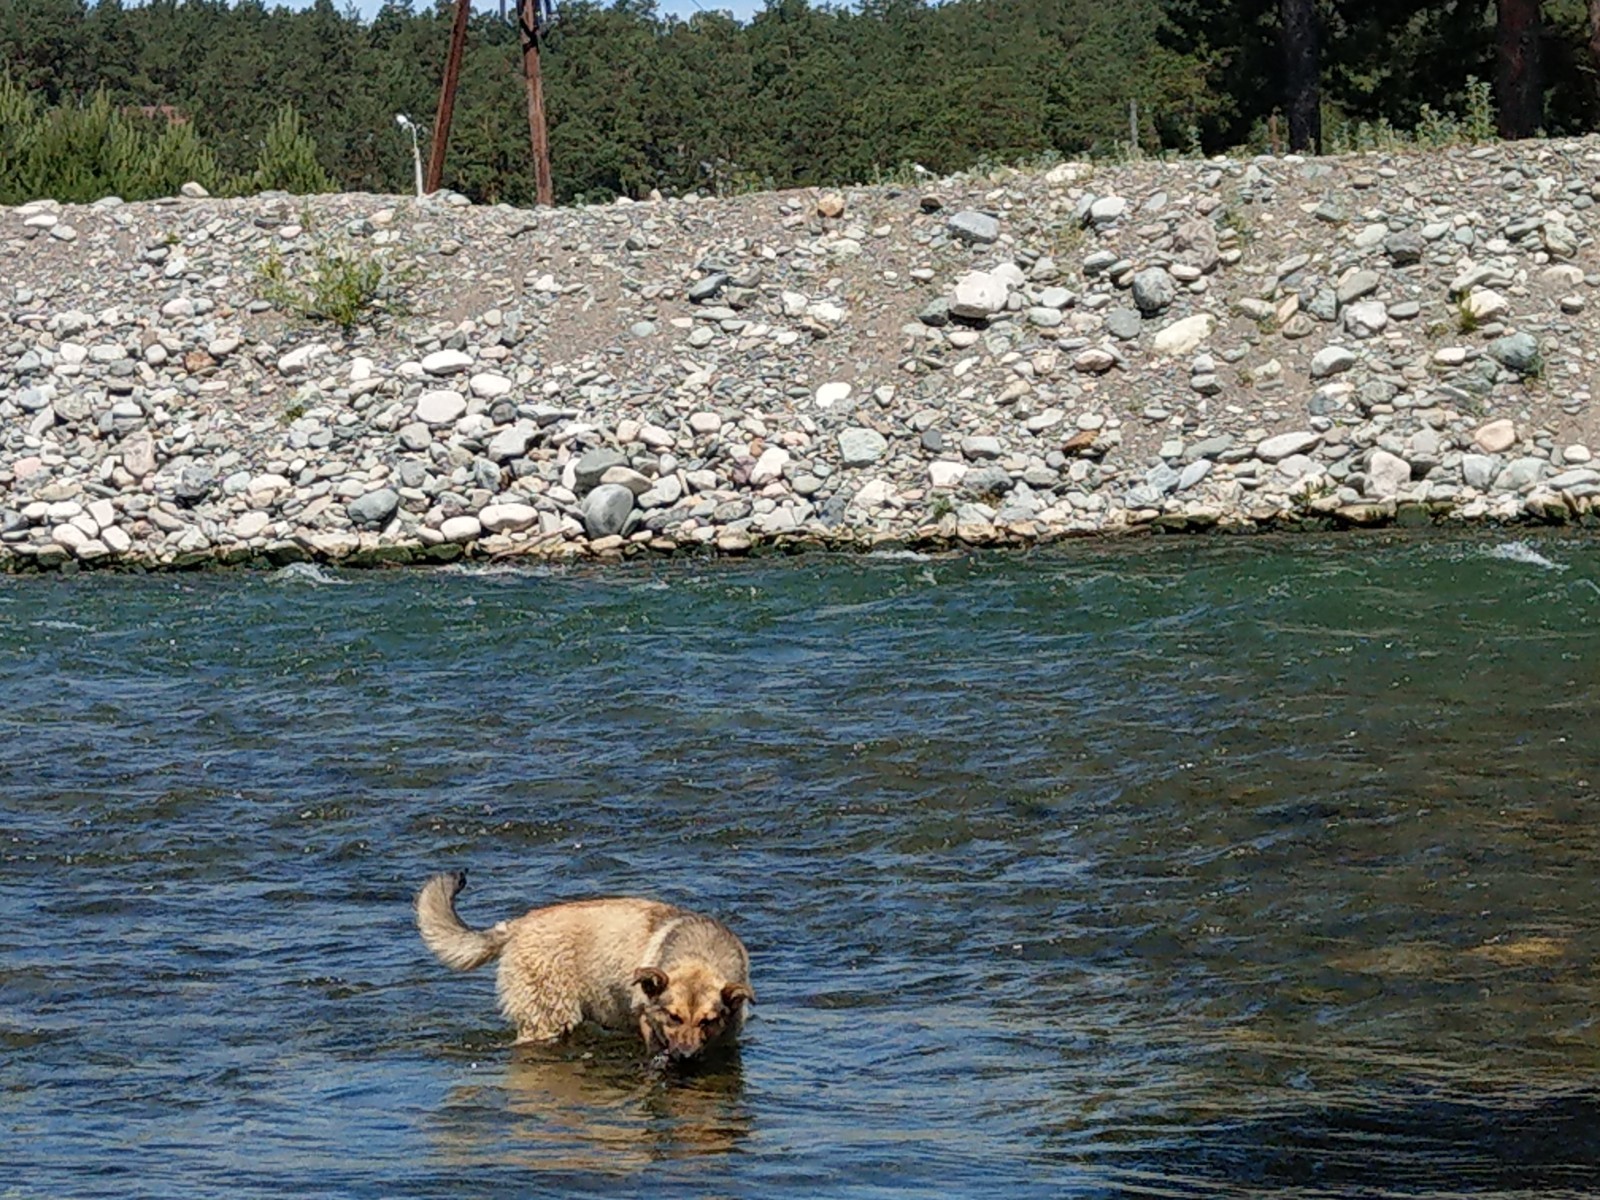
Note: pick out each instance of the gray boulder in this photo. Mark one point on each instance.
(373, 510)
(1153, 290)
(1517, 352)
(592, 466)
(975, 228)
(606, 510)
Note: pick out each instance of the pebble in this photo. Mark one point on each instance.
(861, 447)
(830, 394)
(977, 228)
(807, 372)
(447, 362)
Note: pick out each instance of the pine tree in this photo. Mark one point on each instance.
(288, 159)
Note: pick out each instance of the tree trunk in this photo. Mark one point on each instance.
(1594, 39)
(1519, 80)
(1302, 74)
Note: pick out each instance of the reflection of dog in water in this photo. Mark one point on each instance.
(554, 1109)
(681, 979)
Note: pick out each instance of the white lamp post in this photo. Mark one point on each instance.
(405, 123)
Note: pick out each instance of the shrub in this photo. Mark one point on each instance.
(341, 287)
(81, 153)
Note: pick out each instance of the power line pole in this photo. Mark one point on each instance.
(538, 135)
(447, 96)
(532, 15)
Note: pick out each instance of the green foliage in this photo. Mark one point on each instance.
(1433, 129)
(801, 94)
(288, 159)
(343, 287)
(81, 153)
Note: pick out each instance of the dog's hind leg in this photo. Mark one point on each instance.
(544, 1022)
(542, 1009)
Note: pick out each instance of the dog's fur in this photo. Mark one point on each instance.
(680, 979)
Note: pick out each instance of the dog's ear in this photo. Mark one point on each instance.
(735, 994)
(652, 979)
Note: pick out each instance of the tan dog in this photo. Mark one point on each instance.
(681, 979)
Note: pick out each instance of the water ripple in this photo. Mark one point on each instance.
(1240, 869)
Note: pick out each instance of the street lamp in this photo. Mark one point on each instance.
(405, 123)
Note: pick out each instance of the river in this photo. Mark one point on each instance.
(1193, 868)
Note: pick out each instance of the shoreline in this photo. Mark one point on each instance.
(1012, 360)
(373, 554)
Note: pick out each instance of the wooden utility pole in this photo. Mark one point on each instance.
(447, 96)
(1519, 72)
(530, 14)
(544, 188)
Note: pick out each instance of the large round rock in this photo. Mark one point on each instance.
(606, 510)
(373, 510)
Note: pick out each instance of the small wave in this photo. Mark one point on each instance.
(1521, 552)
(50, 623)
(492, 570)
(311, 573)
(899, 555)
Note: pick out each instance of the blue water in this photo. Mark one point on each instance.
(1209, 868)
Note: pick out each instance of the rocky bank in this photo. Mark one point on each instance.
(1010, 358)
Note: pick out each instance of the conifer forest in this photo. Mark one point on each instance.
(133, 100)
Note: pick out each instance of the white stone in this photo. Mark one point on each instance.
(978, 295)
(872, 494)
(250, 524)
(827, 313)
(447, 362)
(102, 513)
(300, 358)
(1366, 318)
(942, 474)
(1183, 337)
(488, 386)
(830, 394)
(508, 518)
(769, 466)
(440, 407)
(1107, 209)
(69, 536)
(462, 529)
(1387, 474)
(1330, 361)
(1285, 444)
(1485, 303)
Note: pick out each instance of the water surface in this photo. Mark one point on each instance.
(1205, 868)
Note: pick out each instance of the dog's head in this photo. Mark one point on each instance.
(688, 1010)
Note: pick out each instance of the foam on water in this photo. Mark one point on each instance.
(310, 573)
(1521, 552)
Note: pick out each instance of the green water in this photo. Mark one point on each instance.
(1209, 868)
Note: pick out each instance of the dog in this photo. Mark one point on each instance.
(680, 979)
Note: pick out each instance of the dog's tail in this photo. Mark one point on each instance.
(454, 944)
